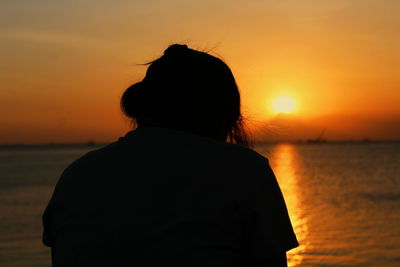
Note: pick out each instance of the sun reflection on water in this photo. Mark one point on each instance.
(285, 160)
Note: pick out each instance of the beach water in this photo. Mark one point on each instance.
(343, 200)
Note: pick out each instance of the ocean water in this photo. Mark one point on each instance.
(343, 200)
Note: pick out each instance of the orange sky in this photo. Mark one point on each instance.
(64, 64)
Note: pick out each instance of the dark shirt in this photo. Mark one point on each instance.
(161, 197)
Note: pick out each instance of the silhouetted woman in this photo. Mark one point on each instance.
(182, 189)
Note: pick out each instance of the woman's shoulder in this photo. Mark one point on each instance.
(244, 154)
(95, 159)
(170, 146)
(244, 151)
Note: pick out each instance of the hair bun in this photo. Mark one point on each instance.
(175, 49)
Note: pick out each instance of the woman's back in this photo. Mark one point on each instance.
(182, 189)
(162, 196)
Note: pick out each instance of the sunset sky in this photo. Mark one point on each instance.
(64, 64)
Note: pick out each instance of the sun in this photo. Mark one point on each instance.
(283, 104)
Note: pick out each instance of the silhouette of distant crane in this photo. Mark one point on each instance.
(319, 138)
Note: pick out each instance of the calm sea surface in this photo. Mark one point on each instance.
(343, 199)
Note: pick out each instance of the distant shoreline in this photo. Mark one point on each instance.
(53, 145)
(313, 142)
(97, 145)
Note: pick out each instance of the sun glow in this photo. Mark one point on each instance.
(283, 104)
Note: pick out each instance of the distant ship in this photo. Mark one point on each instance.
(91, 143)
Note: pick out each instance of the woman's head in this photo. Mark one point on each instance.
(188, 90)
